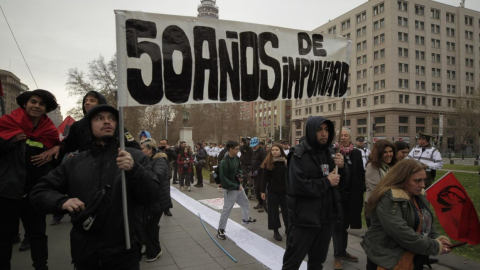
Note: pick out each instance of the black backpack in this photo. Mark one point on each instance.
(216, 172)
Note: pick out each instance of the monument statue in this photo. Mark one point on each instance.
(186, 115)
(462, 3)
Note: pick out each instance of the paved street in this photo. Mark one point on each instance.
(186, 245)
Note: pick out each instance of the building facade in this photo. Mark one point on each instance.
(410, 63)
(271, 116)
(12, 87)
(208, 8)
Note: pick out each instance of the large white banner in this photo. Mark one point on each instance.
(165, 59)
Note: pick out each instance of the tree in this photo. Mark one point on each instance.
(464, 121)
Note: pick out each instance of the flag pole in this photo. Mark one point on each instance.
(121, 75)
(339, 138)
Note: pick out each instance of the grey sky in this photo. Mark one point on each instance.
(56, 35)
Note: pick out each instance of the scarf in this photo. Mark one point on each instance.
(19, 122)
(384, 170)
(278, 159)
(346, 150)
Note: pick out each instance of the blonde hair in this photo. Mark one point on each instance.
(149, 143)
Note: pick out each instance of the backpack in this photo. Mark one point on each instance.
(216, 172)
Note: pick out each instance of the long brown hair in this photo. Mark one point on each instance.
(377, 153)
(268, 162)
(395, 178)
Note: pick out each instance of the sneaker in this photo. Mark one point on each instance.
(250, 220)
(337, 264)
(189, 188)
(349, 257)
(258, 206)
(198, 186)
(25, 245)
(155, 258)
(221, 234)
(277, 236)
(182, 188)
(167, 213)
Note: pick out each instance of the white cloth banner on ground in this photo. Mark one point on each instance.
(216, 203)
(258, 247)
(166, 59)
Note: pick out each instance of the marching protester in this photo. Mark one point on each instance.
(402, 234)
(153, 213)
(94, 196)
(246, 157)
(201, 161)
(274, 180)
(402, 150)
(352, 200)
(258, 156)
(25, 134)
(382, 158)
(144, 135)
(360, 145)
(177, 150)
(163, 147)
(427, 155)
(193, 154)
(312, 199)
(232, 189)
(185, 168)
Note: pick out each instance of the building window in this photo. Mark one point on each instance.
(402, 36)
(403, 98)
(362, 130)
(436, 57)
(346, 24)
(402, 5)
(470, 90)
(379, 54)
(451, 89)
(451, 74)
(361, 121)
(403, 129)
(419, 40)
(359, 103)
(436, 101)
(402, 83)
(436, 87)
(380, 129)
(452, 102)
(469, 76)
(419, 25)
(361, 31)
(435, 13)
(468, 48)
(403, 52)
(468, 20)
(332, 30)
(450, 32)
(436, 72)
(382, 99)
(375, 100)
(451, 60)
(468, 35)
(451, 46)
(469, 62)
(380, 8)
(420, 121)
(421, 100)
(419, 85)
(450, 17)
(419, 129)
(435, 43)
(402, 67)
(420, 55)
(420, 70)
(361, 17)
(402, 21)
(379, 120)
(419, 10)
(361, 45)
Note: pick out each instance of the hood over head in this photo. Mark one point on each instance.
(146, 133)
(311, 127)
(101, 99)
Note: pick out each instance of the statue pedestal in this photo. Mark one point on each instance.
(186, 135)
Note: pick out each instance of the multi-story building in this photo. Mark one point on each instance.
(269, 116)
(208, 8)
(12, 87)
(410, 62)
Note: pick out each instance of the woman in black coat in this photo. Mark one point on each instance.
(153, 213)
(274, 168)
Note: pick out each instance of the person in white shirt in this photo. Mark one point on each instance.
(428, 155)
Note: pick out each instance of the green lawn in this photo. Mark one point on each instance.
(470, 168)
(470, 182)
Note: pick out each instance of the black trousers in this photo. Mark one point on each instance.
(199, 169)
(274, 201)
(305, 240)
(340, 235)
(151, 238)
(35, 227)
(245, 171)
(175, 172)
(258, 186)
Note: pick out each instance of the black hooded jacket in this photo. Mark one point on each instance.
(311, 199)
(79, 138)
(91, 175)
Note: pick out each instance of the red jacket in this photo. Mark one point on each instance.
(181, 161)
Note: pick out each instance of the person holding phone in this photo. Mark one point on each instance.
(402, 234)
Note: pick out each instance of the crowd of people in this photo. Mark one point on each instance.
(317, 186)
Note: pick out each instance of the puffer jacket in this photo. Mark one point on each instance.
(311, 200)
(392, 231)
(84, 176)
(160, 168)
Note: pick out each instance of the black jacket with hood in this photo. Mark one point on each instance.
(79, 137)
(311, 199)
(91, 175)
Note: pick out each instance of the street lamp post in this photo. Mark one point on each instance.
(369, 122)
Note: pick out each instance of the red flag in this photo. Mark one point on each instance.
(64, 127)
(455, 210)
